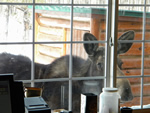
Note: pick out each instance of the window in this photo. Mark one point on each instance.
(138, 72)
(36, 33)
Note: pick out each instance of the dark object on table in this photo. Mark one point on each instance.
(88, 103)
(126, 110)
(11, 95)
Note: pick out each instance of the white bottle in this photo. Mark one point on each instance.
(109, 101)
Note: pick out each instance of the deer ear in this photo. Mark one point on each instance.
(124, 47)
(90, 48)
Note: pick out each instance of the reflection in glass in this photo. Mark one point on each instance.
(146, 91)
(146, 59)
(90, 86)
(16, 59)
(47, 53)
(131, 2)
(54, 1)
(75, 1)
(89, 19)
(91, 2)
(17, 1)
(17, 25)
(53, 23)
(131, 60)
(55, 94)
(21, 49)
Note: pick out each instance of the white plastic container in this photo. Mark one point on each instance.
(109, 101)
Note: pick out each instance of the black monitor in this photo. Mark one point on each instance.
(11, 95)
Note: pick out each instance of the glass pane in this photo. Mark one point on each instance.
(148, 1)
(89, 19)
(147, 34)
(55, 94)
(131, 2)
(52, 23)
(16, 59)
(146, 91)
(20, 49)
(54, 1)
(52, 60)
(147, 59)
(27, 85)
(17, 1)
(16, 23)
(131, 61)
(136, 91)
(46, 53)
(82, 87)
(131, 19)
(86, 65)
(90, 1)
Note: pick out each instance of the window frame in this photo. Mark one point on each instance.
(111, 32)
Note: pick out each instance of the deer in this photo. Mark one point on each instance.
(92, 66)
(59, 68)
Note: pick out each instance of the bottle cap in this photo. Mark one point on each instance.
(108, 89)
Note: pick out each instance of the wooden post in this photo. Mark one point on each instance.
(36, 33)
(64, 39)
(95, 25)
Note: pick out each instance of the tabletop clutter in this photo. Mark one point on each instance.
(109, 99)
(109, 102)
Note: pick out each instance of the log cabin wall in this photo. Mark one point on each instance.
(56, 29)
(47, 30)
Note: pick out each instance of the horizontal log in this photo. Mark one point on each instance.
(44, 59)
(135, 63)
(138, 35)
(126, 25)
(122, 25)
(134, 81)
(45, 13)
(136, 49)
(45, 37)
(51, 30)
(136, 90)
(63, 23)
(53, 45)
(50, 51)
(132, 72)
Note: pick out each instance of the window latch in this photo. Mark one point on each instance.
(110, 42)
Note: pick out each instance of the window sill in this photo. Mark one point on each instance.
(141, 110)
